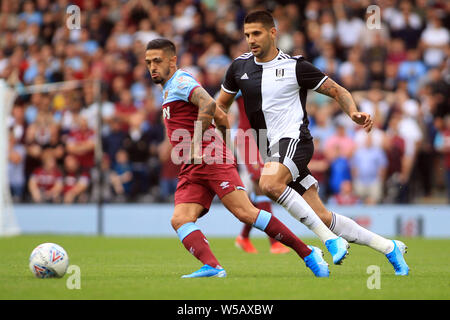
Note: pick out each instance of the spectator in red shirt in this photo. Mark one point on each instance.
(76, 182)
(396, 51)
(45, 183)
(345, 197)
(81, 144)
(125, 108)
(394, 147)
(319, 166)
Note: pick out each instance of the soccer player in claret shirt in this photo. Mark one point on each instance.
(186, 104)
(274, 86)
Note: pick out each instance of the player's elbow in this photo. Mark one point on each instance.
(344, 91)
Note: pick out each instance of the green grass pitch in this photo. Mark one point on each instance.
(150, 268)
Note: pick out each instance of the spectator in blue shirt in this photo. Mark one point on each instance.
(369, 164)
(411, 71)
(339, 171)
(30, 15)
(328, 62)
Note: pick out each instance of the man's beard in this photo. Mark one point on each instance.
(261, 54)
(160, 79)
(157, 81)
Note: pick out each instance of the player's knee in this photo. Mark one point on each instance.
(175, 222)
(178, 220)
(273, 189)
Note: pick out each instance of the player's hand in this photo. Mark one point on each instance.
(363, 119)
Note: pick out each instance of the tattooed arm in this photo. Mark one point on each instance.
(206, 107)
(345, 100)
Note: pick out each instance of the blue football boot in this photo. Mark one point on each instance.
(338, 249)
(315, 262)
(207, 271)
(397, 260)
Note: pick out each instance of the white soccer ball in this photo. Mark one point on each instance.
(49, 260)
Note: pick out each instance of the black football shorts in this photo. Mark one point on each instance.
(295, 154)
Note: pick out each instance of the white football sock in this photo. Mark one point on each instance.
(301, 210)
(353, 232)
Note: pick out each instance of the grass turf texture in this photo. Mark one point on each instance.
(150, 268)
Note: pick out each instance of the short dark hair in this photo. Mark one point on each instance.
(163, 44)
(262, 16)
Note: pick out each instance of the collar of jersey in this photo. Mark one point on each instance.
(269, 63)
(166, 85)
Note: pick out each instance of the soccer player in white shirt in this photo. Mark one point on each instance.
(274, 87)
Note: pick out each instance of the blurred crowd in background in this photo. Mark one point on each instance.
(399, 73)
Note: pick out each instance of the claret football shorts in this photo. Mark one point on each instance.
(201, 189)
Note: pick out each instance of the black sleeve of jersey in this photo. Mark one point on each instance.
(229, 83)
(308, 76)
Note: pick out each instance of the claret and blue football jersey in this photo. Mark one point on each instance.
(179, 117)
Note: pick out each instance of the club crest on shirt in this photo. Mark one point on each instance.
(279, 74)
